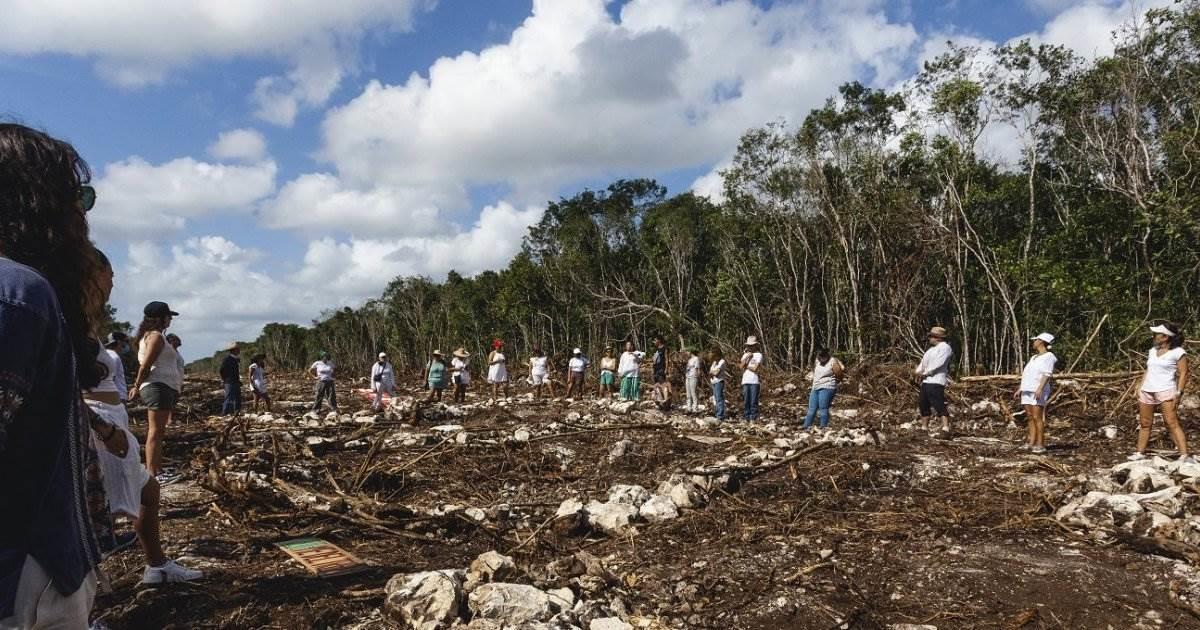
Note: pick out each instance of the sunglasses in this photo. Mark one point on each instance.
(87, 197)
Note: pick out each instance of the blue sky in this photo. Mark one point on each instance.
(271, 159)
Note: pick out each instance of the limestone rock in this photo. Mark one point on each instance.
(630, 494)
(658, 508)
(430, 600)
(611, 517)
(516, 605)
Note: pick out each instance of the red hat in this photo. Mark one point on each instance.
(497, 343)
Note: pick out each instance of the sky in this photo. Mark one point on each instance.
(272, 160)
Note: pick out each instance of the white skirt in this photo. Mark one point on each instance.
(123, 478)
(497, 373)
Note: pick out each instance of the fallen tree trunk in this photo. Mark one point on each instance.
(1082, 376)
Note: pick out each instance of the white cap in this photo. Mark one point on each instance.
(1047, 337)
(577, 351)
(382, 355)
(1162, 330)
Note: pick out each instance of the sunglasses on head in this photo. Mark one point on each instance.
(87, 197)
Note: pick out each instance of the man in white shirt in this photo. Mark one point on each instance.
(752, 359)
(383, 381)
(934, 370)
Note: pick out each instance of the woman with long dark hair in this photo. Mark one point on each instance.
(48, 268)
(158, 382)
(1162, 387)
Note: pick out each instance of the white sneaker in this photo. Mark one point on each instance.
(170, 571)
(1137, 457)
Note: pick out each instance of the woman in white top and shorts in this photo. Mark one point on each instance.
(158, 381)
(1034, 390)
(1162, 387)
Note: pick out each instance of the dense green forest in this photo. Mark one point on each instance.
(880, 214)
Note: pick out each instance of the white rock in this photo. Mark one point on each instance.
(462, 437)
(569, 507)
(429, 600)
(490, 566)
(623, 408)
(1109, 431)
(475, 514)
(789, 388)
(631, 494)
(562, 598)
(609, 623)
(658, 508)
(611, 518)
(683, 491)
(619, 450)
(522, 435)
(447, 428)
(517, 605)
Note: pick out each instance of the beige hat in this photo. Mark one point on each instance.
(1162, 330)
(437, 353)
(462, 353)
(382, 355)
(232, 345)
(937, 331)
(751, 340)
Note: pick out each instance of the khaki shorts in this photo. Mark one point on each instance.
(1157, 398)
(40, 605)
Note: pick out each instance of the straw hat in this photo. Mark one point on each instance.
(751, 340)
(437, 353)
(462, 353)
(232, 345)
(937, 331)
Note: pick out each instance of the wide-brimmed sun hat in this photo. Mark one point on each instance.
(751, 340)
(437, 353)
(937, 331)
(231, 346)
(462, 353)
(1161, 330)
(1046, 337)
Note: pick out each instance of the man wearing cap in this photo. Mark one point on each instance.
(231, 379)
(383, 380)
(460, 374)
(934, 370)
(576, 368)
(752, 359)
(1034, 390)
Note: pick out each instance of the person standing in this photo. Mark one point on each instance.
(934, 370)
(258, 380)
(629, 369)
(1034, 390)
(692, 382)
(752, 359)
(497, 369)
(460, 374)
(231, 379)
(437, 376)
(323, 372)
(608, 371)
(658, 365)
(158, 382)
(115, 345)
(825, 376)
(383, 381)
(539, 369)
(48, 555)
(176, 342)
(1162, 387)
(576, 369)
(718, 371)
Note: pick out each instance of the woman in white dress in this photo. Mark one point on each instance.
(498, 369)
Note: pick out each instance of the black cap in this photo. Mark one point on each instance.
(158, 309)
(115, 337)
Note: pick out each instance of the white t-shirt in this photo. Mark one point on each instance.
(716, 373)
(823, 375)
(935, 364)
(1039, 366)
(116, 370)
(629, 363)
(749, 377)
(324, 370)
(1162, 372)
(539, 366)
(693, 367)
(258, 377)
(577, 364)
(114, 382)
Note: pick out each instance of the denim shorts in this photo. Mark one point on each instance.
(159, 396)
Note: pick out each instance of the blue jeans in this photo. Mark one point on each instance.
(750, 400)
(819, 399)
(719, 398)
(233, 398)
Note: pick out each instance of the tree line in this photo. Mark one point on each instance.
(880, 214)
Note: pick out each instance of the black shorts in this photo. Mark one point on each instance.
(159, 396)
(933, 399)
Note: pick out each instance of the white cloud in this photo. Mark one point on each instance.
(575, 94)
(138, 200)
(318, 202)
(1088, 27)
(139, 42)
(239, 144)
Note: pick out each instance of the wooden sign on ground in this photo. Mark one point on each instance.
(322, 558)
